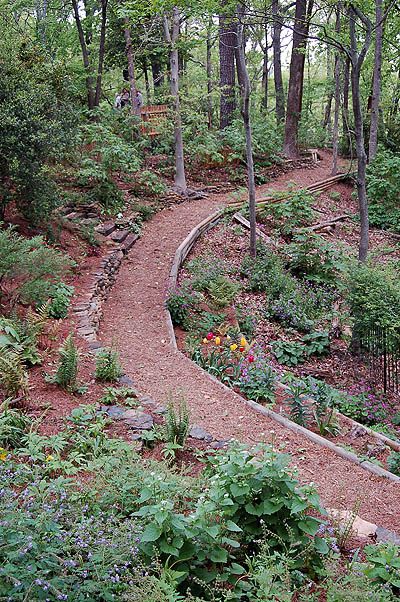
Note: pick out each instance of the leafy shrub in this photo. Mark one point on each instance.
(177, 422)
(292, 210)
(266, 273)
(13, 427)
(222, 291)
(205, 321)
(289, 353)
(257, 379)
(36, 126)
(393, 462)
(147, 183)
(21, 335)
(114, 394)
(221, 364)
(29, 268)
(108, 195)
(108, 367)
(383, 183)
(364, 406)
(373, 294)
(60, 300)
(246, 321)
(384, 564)
(181, 303)
(311, 256)
(316, 343)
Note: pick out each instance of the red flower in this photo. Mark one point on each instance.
(241, 349)
(251, 359)
(210, 336)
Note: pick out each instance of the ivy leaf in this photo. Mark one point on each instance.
(151, 533)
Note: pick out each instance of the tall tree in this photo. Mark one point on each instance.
(244, 83)
(336, 111)
(131, 64)
(209, 74)
(277, 62)
(227, 45)
(376, 81)
(171, 32)
(357, 57)
(296, 77)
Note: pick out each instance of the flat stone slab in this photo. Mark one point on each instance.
(138, 420)
(197, 432)
(129, 242)
(126, 381)
(114, 412)
(106, 228)
(383, 534)
(119, 235)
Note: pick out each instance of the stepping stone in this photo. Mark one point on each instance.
(126, 381)
(95, 346)
(138, 420)
(386, 535)
(114, 412)
(106, 228)
(129, 242)
(119, 235)
(219, 444)
(197, 432)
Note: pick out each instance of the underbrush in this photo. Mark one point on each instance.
(243, 530)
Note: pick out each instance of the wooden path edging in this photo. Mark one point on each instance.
(180, 256)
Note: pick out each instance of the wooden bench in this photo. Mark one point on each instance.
(153, 116)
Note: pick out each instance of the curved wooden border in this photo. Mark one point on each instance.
(180, 256)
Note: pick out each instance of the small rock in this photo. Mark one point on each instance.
(160, 410)
(219, 444)
(358, 431)
(138, 420)
(386, 535)
(114, 412)
(119, 235)
(106, 228)
(197, 432)
(129, 242)
(126, 381)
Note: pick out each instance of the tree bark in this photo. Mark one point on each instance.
(85, 57)
(157, 74)
(296, 77)
(131, 66)
(102, 48)
(335, 131)
(209, 75)
(264, 102)
(171, 32)
(244, 83)
(146, 80)
(376, 82)
(327, 121)
(41, 13)
(357, 58)
(277, 62)
(227, 45)
(345, 108)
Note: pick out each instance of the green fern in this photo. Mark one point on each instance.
(108, 368)
(177, 422)
(67, 371)
(13, 376)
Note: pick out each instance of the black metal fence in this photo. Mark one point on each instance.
(380, 348)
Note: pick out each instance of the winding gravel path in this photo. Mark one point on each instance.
(134, 319)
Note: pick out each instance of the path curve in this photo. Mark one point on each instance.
(134, 320)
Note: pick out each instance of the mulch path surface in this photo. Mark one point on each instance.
(135, 321)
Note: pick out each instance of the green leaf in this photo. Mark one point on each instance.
(309, 525)
(238, 490)
(320, 545)
(151, 533)
(219, 555)
(231, 526)
(237, 569)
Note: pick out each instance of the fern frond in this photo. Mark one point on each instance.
(13, 376)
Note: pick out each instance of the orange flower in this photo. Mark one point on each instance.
(217, 340)
(233, 347)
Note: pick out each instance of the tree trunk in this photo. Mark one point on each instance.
(327, 121)
(345, 108)
(335, 132)
(227, 45)
(376, 82)
(357, 59)
(131, 66)
(264, 102)
(244, 83)
(171, 31)
(296, 78)
(85, 57)
(41, 13)
(209, 75)
(277, 61)
(102, 48)
(146, 80)
(156, 71)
